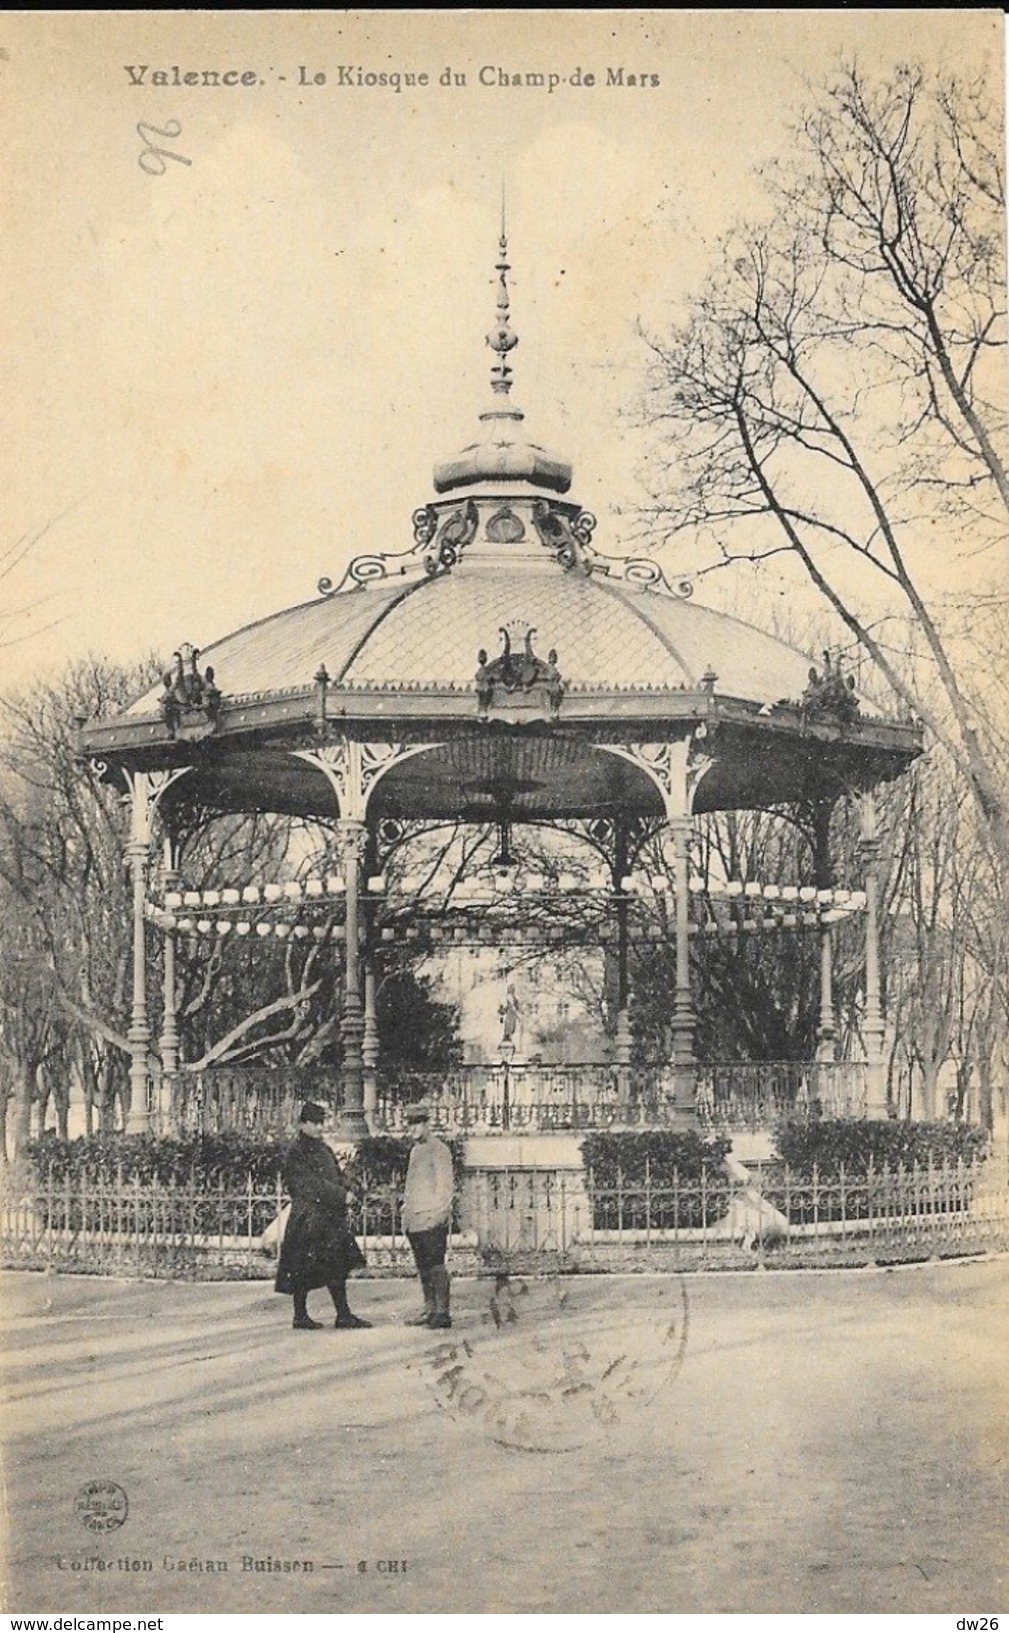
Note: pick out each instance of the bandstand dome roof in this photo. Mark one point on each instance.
(512, 650)
(427, 633)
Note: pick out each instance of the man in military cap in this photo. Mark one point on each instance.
(319, 1249)
(427, 1210)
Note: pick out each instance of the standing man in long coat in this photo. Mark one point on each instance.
(319, 1249)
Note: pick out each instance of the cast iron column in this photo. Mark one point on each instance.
(826, 1031)
(352, 1122)
(873, 1025)
(145, 792)
(139, 1033)
(623, 1029)
(684, 1019)
(369, 1043)
(169, 1000)
(369, 1039)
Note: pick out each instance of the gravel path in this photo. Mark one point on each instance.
(761, 1442)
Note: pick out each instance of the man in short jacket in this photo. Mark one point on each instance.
(427, 1210)
(319, 1249)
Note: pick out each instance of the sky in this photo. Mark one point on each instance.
(241, 323)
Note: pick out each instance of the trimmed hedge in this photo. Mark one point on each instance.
(655, 1178)
(848, 1168)
(201, 1160)
(858, 1145)
(146, 1186)
(203, 1168)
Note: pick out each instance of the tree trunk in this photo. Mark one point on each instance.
(24, 1095)
(43, 1090)
(929, 1090)
(963, 1072)
(120, 1089)
(106, 1095)
(985, 1101)
(59, 1088)
(89, 1087)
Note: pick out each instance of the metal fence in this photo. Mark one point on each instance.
(649, 1222)
(535, 1216)
(127, 1227)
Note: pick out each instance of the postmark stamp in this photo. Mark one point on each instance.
(102, 1505)
(544, 1373)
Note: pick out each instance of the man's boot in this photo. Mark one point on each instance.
(425, 1317)
(440, 1282)
(302, 1320)
(345, 1316)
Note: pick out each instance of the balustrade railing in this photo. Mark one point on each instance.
(250, 1099)
(521, 1096)
(756, 1095)
(512, 1097)
(728, 1098)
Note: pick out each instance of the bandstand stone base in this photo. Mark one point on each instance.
(525, 1193)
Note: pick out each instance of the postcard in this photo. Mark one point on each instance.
(580, 434)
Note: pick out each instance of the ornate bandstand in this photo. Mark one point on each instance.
(501, 669)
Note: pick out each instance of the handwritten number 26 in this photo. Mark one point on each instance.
(152, 158)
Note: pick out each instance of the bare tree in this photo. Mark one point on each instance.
(837, 395)
(15, 615)
(31, 1029)
(61, 860)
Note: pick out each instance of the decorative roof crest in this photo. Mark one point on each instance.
(503, 454)
(518, 676)
(190, 704)
(502, 339)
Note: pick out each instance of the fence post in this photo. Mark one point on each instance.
(49, 1214)
(117, 1252)
(156, 1197)
(191, 1210)
(843, 1201)
(66, 1230)
(82, 1233)
(539, 1204)
(135, 1188)
(704, 1203)
(870, 1201)
(108, 1213)
(893, 1197)
(788, 1192)
(648, 1200)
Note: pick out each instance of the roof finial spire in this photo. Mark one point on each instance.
(501, 338)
